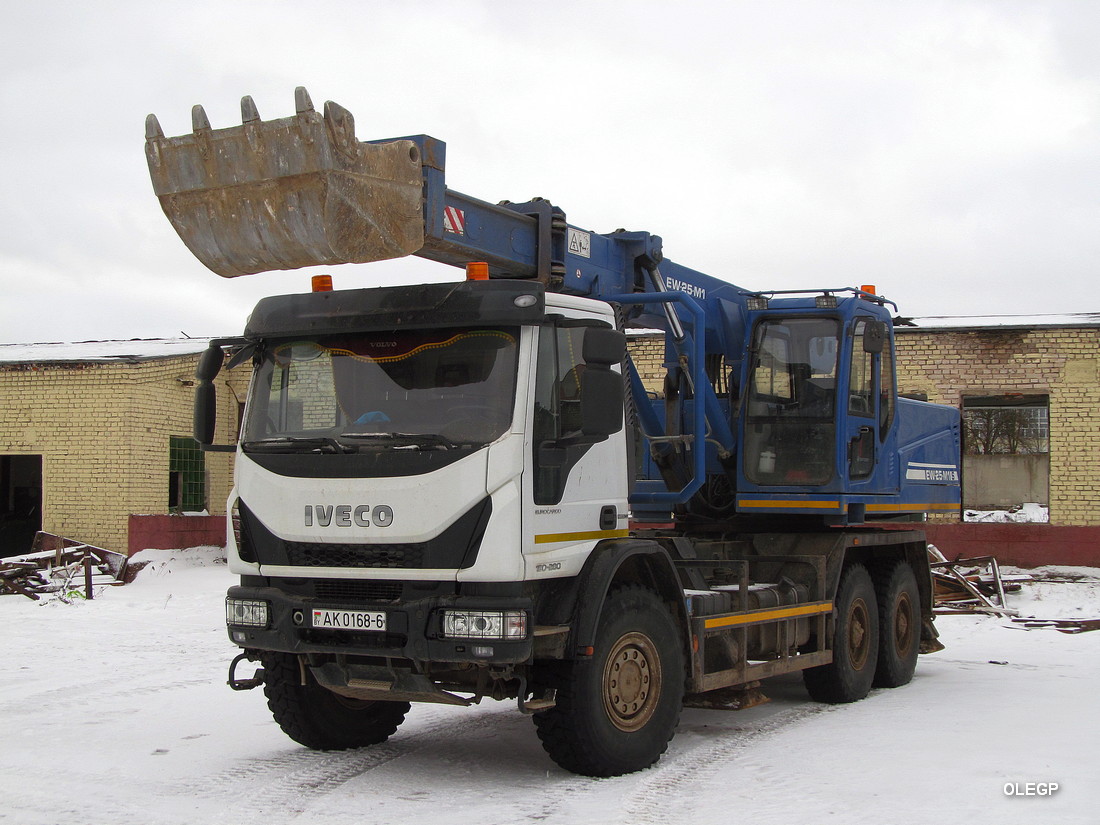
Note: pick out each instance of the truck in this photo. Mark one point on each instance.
(458, 491)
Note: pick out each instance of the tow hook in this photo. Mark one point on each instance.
(244, 684)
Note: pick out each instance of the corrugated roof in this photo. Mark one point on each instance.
(89, 352)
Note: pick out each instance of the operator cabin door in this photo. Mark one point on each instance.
(790, 422)
(870, 398)
(579, 479)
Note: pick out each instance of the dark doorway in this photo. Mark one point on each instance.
(20, 502)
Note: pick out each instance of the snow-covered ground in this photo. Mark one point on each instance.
(115, 711)
(1030, 513)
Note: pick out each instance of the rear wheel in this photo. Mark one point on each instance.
(855, 643)
(320, 719)
(899, 620)
(617, 710)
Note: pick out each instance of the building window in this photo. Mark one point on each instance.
(1006, 458)
(1006, 425)
(186, 475)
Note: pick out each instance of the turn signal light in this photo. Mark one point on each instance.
(477, 271)
(322, 283)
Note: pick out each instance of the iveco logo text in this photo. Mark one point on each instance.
(683, 286)
(344, 515)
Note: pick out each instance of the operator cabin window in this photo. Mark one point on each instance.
(870, 374)
(790, 424)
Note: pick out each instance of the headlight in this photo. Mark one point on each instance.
(246, 613)
(485, 624)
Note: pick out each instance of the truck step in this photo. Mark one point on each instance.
(535, 705)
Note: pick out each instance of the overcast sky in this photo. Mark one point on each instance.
(945, 151)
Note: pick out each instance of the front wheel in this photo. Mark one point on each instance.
(320, 719)
(617, 710)
(849, 676)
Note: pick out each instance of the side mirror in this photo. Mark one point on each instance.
(206, 412)
(603, 346)
(210, 364)
(601, 388)
(601, 403)
(206, 397)
(874, 337)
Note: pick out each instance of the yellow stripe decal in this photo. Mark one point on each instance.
(591, 535)
(769, 615)
(907, 508)
(804, 505)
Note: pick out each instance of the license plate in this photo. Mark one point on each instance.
(350, 619)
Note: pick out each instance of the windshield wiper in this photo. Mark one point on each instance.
(396, 441)
(293, 444)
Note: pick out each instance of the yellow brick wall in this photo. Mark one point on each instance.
(103, 433)
(648, 354)
(1060, 363)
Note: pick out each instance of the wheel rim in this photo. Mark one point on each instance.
(859, 635)
(903, 625)
(632, 682)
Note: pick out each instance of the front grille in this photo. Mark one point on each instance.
(357, 591)
(301, 554)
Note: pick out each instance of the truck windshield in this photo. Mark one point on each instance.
(409, 389)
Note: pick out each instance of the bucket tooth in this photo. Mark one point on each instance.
(302, 103)
(199, 121)
(249, 112)
(341, 125)
(152, 128)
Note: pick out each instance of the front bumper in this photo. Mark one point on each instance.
(414, 628)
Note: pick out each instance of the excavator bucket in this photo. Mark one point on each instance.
(283, 194)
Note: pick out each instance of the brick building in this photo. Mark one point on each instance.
(94, 433)
(1029, 390)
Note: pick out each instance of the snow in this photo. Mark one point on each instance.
(101, 351)
(1070, 319)
(1028, 513)
(116, 711)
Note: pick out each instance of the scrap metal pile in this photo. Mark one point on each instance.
(975, 585)
(969, 585)
(63, 567)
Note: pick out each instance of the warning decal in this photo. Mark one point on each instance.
(580, 243)
(454, 220)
